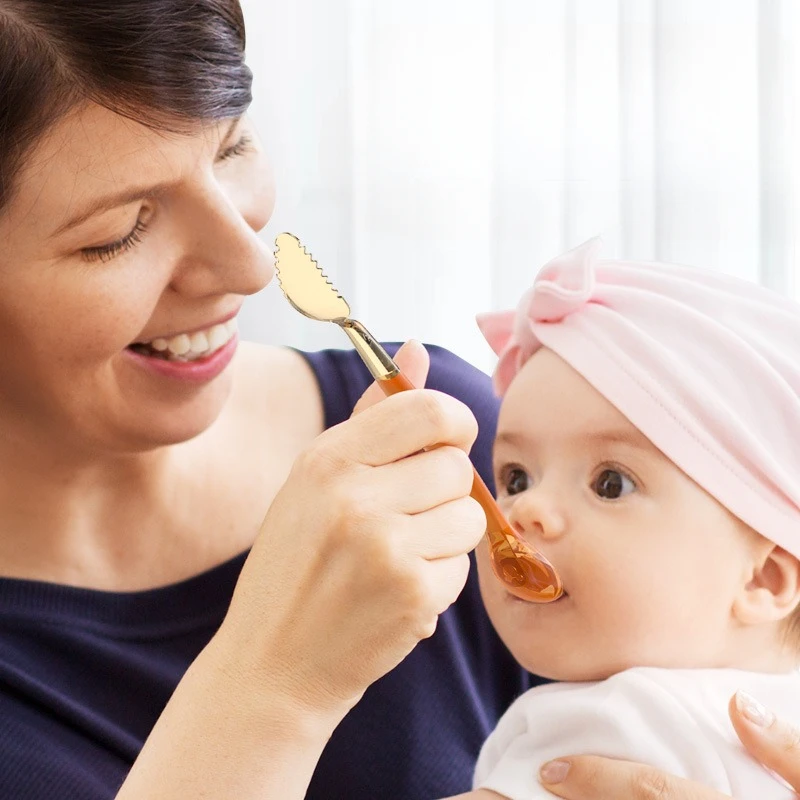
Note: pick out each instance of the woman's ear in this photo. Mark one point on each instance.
(772, 590)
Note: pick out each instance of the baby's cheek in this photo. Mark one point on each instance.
(626, 612)
(492, 591)
(648, 629)
(486, 577)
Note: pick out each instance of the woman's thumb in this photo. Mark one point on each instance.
(413, 360)
(770, 740)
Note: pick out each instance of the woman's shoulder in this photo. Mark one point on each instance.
(263, 370)
(275, 386)
(273, 412)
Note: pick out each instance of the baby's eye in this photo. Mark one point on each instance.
(514, 480)
(612, 484)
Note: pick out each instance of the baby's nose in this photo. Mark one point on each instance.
(536, 513)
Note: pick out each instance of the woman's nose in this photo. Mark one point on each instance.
(536, 512)
(222, 252)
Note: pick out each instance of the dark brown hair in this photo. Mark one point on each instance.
(168, 64)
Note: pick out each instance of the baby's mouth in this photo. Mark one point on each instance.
(563, 596)
(188, 346)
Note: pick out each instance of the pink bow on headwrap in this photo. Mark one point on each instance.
(705, 365)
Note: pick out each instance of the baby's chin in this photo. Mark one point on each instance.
(566, 661)
(574, 664)
(572, 670)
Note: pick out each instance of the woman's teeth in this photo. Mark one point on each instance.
(190, 346)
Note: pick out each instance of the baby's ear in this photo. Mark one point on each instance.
(773, 591)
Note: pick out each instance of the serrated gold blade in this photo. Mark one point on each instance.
(305, 285)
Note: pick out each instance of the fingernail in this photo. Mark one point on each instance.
(750, 707)
(554, 771)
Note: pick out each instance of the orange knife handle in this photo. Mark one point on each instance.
(399, 383)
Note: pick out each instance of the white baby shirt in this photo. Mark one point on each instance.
(673, 719)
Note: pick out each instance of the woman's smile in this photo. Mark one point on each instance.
(189, 345)
(196, 355)
(194, 364)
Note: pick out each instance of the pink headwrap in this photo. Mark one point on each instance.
(706, 366)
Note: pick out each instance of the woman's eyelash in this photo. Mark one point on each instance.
(106, 252)
(237, 149)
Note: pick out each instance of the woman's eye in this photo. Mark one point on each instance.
(106, 252)
(612, 484)
(515, 480)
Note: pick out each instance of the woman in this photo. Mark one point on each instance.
(204, 563)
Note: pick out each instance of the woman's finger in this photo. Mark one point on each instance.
(594, 778)
(775, 743)
(395, 428)
(449, 530)
(414, 362)
(421, 481)
(446, 578)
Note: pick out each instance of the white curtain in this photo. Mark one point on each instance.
(433, 154)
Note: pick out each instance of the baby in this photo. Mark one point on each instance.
(649, 445)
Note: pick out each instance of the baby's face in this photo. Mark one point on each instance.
(650, 562)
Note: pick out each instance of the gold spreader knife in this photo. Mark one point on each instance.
(526, 573)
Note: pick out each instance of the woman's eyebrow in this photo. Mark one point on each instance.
(129, 195)
(107, 202)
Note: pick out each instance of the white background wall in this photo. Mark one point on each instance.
(433, 154)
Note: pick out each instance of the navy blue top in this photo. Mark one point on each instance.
(85, 674)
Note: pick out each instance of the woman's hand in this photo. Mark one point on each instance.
(773, 742)
(363, 547)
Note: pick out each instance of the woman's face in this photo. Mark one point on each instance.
(119, 248)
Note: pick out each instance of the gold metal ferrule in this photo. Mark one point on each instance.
(374, 356)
